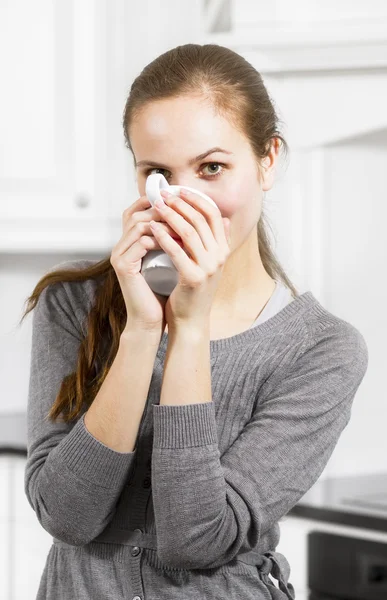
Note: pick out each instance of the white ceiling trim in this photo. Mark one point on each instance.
(283, 49)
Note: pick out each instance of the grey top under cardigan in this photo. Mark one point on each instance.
(193, 511)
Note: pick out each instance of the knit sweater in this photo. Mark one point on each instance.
(193, 511)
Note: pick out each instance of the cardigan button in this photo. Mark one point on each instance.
(147, 482)
(135, 550)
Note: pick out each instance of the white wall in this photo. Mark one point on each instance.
(325, 65)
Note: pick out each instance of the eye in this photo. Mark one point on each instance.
(149, 171)
(216, 164)
(217, 174)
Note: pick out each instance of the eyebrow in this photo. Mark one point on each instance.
(192, 161)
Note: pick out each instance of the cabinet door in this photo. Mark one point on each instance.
(4, 564)
(52, 175)
(31, 547)
(30, 543)
(4, 528)
(293, 545)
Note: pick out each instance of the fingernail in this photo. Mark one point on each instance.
(165, 193)
(159, 204)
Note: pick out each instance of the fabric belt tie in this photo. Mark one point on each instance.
(270, 563)
(274, 564)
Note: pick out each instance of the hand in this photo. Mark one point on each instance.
(205, 235)
(145, 309)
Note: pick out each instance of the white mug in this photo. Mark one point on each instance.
(157, 267)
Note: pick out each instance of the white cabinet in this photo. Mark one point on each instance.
(60, 123)
(4, 528)
(30, 542)
(292, 545)
(31, 546)
(66, 175)
(4, 559)
(24, 544)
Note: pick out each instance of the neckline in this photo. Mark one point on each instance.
(299, 303)
(279, 289)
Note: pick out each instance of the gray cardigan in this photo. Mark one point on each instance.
(193, 512)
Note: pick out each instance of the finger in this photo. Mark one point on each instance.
(187, 220)
(211, 214)
(139, 216)
(140, 204)
(188, 233)
(178, 255)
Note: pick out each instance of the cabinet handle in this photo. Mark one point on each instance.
(82, 200)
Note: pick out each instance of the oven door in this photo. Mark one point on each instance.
(346, 568)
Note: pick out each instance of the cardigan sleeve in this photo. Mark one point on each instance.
(71, 480)
(209, 508)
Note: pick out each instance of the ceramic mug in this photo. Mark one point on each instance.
(157, 267)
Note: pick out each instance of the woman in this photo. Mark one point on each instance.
(168, 436)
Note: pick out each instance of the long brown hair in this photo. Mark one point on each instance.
(235, 89)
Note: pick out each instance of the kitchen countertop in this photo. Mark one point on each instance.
(355, 500)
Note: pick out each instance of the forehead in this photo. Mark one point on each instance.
(185, 125)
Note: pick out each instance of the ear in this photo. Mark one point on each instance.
(269, 164)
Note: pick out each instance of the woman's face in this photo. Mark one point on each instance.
(171, 133)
